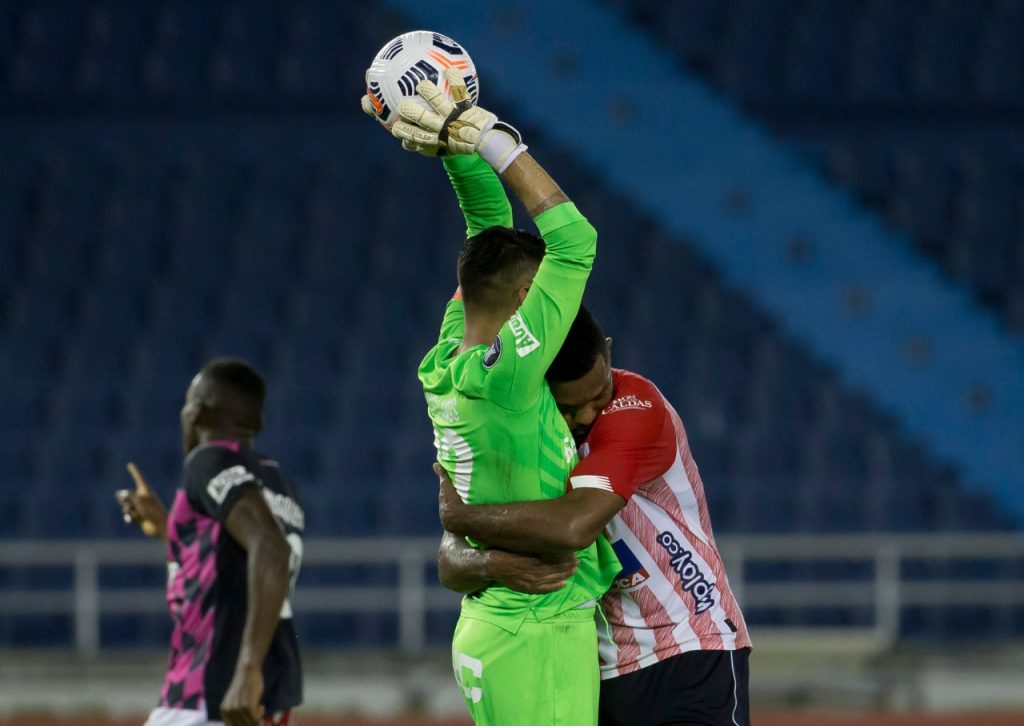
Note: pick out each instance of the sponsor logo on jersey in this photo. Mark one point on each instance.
(227, 480)
(633, 573)
(493, 353)
(526, 343)
(285, 508)
(626, 403)
(691, 579)
(442, 409)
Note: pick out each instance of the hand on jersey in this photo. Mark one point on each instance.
(456, 126)
(143, 506)
(529, 574)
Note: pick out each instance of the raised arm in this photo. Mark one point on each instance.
(480, 193)
(484, 204)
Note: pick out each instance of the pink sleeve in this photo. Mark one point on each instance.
(628, 447)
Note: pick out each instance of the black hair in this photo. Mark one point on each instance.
(492, 262)
(584, 343)
(239, 376)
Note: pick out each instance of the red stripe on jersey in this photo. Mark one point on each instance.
(624, 637)
(665, 644)
(692, 472)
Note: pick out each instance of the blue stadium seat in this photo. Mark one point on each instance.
(42, 307)
(309, 356)
(164, 362)
(155, 404)
(96, 355)
(173, 67)
(41, 63)
(96, 405)
(155, 448)
(29, 355)
(179, 311)
(67, 460)
(61, 509)
(25, 407)
(248, 346)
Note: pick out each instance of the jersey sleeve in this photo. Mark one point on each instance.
(481, 195)
(484, 204)
(628, 447)
(453, 324)
(530, 339)
(215, 478)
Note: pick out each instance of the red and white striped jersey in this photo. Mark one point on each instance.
(672, 595)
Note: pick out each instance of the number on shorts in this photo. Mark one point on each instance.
(474, 666)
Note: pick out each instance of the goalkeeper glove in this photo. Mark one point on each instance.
(427, 149)
(456, 127)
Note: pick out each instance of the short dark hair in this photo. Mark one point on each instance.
(239, 376)
(584, 343)
(492, 261)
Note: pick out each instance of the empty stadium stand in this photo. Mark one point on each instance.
(180, 180)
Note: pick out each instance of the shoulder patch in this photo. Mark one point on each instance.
(493, 353)
(220, 485)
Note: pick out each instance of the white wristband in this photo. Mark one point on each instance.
(500, 146)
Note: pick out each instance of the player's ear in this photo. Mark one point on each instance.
(202, 416)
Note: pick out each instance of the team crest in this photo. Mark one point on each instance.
(633, 573)
(493, 353)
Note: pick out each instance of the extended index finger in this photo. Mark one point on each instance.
(141, 485)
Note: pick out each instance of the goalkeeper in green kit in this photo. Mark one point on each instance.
(518, 658)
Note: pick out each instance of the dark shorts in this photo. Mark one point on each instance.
(699, 688)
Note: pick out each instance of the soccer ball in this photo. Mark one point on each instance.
(410, 58)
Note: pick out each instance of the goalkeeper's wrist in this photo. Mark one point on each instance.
(500, 146)
(460, 162)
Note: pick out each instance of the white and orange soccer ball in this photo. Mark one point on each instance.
(410, 58)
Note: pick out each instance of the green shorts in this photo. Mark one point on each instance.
(546, 674)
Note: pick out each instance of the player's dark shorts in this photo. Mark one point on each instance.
(703, 687)
(161, 716)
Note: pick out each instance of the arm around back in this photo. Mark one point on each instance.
(564, 524)
(465, 569)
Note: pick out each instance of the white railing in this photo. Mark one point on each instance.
(885, 593)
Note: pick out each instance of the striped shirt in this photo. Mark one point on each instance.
(672, 594)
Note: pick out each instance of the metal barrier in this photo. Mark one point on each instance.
(886, 593)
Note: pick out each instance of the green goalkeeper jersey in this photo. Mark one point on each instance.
(497, 429)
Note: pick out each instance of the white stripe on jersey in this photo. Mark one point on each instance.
(463, 470)
(682, 488)
(591, 481)
(644, 636)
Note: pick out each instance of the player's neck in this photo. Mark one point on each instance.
(481, 329)
(240, 437)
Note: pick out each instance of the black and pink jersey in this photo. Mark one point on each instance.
(206, 584)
